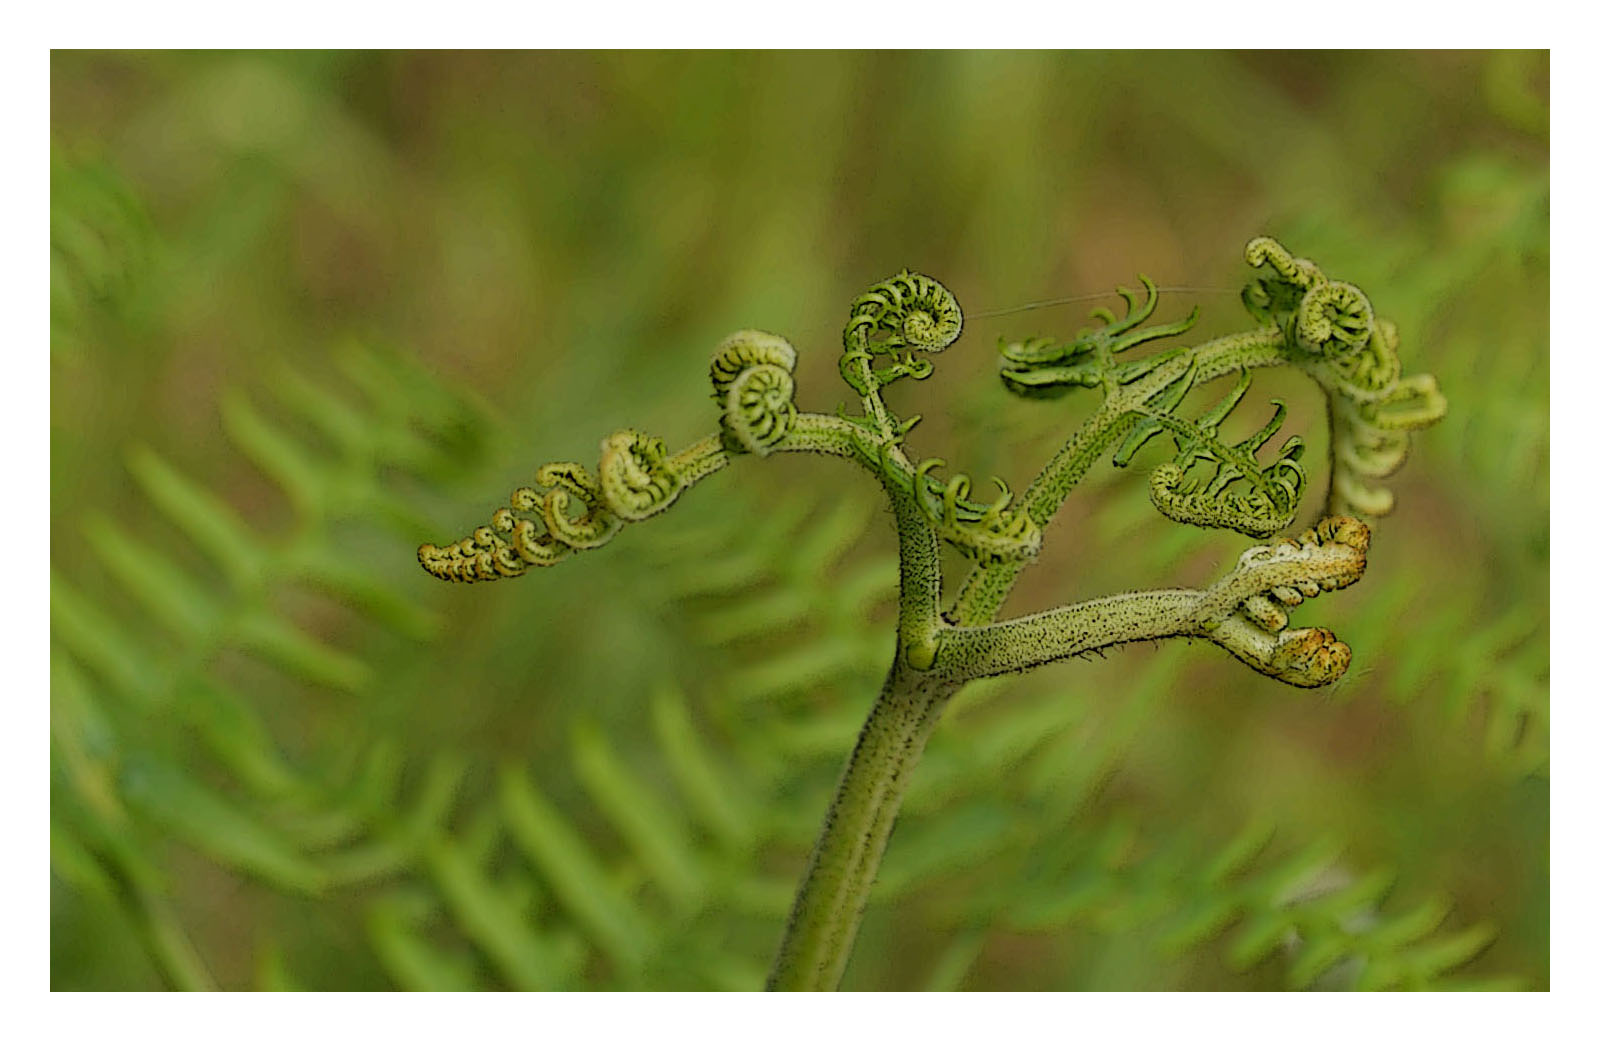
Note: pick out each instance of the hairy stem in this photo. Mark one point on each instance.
(919, 623)
(1016, 645)
(833, 894)
(919, 620)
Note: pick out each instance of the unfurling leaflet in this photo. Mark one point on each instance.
(1201, 486)
(1331, 332)
(987, 533)
(1040, 367)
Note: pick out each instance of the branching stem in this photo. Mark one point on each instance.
(986, 588)
(1325, 328)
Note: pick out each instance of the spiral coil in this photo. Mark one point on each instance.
(635, 479)
(752, 382)
(1336, 338)
(569, 509)
(906, 312)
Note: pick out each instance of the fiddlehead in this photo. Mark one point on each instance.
(901, 319)
(570, 509)
(752, 382)
(1330, 331)
(904, 314)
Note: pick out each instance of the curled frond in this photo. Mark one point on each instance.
(743, 350)
(759, 410)
(1043, 367)
(530, 536)
(635, 479)
(1334, 318)
(484, 555)
(752, 381)
(569, 509)
(905, 313)
(1330, 555)
(574, 508)
(1217, 484)
(1370, 440)
(1306, 658)
(1331, 332)
(1247, 612)
(1410, 403)
(515, 538)
(902, 319)
(1255, 512)
(987, 533)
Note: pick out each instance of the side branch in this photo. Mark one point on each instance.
(1246, 612)
(970, 653)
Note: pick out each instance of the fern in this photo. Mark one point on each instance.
(490, 883)
(1322, 327)
(102, 247)
(259, 704)
(1323, 925)
(223, 783)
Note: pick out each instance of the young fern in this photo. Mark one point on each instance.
(1325, 328)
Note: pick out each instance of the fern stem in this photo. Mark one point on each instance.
(833, 894)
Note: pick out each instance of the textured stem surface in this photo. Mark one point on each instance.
(833, 896)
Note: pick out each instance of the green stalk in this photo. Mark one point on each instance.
(1336, 340)
(833, 894)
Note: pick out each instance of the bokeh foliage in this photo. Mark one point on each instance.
(309, 310)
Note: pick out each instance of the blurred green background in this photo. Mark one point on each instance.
(309, 310)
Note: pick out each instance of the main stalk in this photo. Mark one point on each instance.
(833, 895)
